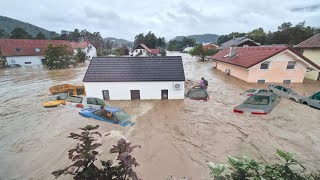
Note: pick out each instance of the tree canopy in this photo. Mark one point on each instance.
(58, 57)
(19, 33)
(80, 56)
(40, 36)
(175, 45)
(201, 52)
(287, 33)
(150, 40)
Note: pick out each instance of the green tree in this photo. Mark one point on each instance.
(19, 33)
(258, 35)
(163, 52)
(40, 36)
(121, 51)
(2, 33)
(58, 57)
(80, 56)
(201, 52)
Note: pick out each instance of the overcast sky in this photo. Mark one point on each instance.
(168, 18)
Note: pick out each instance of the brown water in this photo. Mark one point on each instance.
(177, 137)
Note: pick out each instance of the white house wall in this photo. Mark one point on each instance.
(121, 90)
(22, 60)
(91, 53)
(136, 51)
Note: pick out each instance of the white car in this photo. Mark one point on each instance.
(84, 102)
(285, 92)
(251, 92)
(313, 101)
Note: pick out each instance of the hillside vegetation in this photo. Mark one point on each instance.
(201, 38)
(9, 24)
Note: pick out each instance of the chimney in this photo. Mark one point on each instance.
(232, 51)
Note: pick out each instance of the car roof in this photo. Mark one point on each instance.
(113, 109)
(263, 94)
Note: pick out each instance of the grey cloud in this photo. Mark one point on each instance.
(311, 8)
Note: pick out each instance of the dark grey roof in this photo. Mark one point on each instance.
(128, 69)
(236, 42)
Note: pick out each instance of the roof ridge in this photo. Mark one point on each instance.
(307, 39)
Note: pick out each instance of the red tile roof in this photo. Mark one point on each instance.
(81, 45)
(146, 48)
(155, 51)
(313, 42)
(247, 57)
(9, 47)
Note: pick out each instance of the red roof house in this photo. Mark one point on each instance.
(264, 64)
(27, 52)
(143, 50)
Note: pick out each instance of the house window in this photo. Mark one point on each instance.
(13, 61)
(261, 81)
(18, 49)
(37, 50)
(286, 81)
(291, 65)
(265, 65)
(27, 62)
(136, 50)
(88, 50)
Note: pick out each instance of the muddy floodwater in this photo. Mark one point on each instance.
(178, 137)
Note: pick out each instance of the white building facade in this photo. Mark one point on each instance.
(135, 78)
(25, 60)
(87, 47)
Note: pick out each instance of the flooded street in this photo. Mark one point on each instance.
(178, 137)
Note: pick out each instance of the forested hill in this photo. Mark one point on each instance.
(9, 24)
(201, 38)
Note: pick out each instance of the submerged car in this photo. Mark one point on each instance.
(84, 102)
(118, 116)
(56, 100)
(285, 92)
(251, 92)
(313, 101)
(197, 93)
(258, 104)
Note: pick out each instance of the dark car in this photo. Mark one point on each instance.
(14, 66)
(197, 93)
(258, 104)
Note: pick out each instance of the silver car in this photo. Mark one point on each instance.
(84, 102)
(251, 92)
(258, 104)
(313, 101)
(285, 92)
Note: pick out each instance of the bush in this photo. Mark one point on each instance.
(247, 168)
(80, 56)
(84, 155)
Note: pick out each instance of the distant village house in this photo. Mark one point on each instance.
(27, 52)
(264, 64)
(134, 78)
(239, 42)
(86, 47)
(311, 49)
(143, 51)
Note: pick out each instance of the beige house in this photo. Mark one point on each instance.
(311, 49)
(264, 64)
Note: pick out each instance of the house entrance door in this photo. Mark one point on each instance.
(105, 94)
(164, 94)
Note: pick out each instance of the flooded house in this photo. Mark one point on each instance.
(144, 51)
(85, 46)
(310, 48)
(134, 78)
(264, 64)
(238, 42)
(27, 52)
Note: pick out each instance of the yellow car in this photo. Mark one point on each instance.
(56, 100)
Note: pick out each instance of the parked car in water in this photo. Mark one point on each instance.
(285, 92)
(251, 92)
(14, 66)
(84, 102)
(258, 104)
(197, 93)
(56, 100)
(313, 101)
(118, 116)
